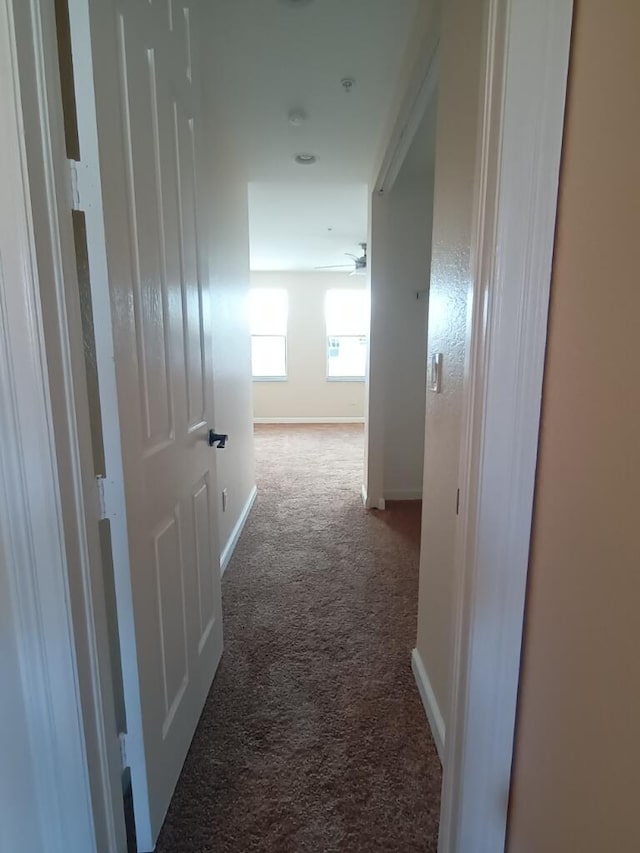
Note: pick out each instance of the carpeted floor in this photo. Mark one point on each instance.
(313, 737)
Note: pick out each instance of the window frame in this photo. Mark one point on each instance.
(328, 337)
(284, 377)
(277, 378)
(330, 378)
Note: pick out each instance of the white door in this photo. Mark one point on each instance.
(148, 109)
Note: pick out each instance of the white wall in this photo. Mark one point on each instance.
(306, 393)
(450, 274)
(397, 370)
(227, 201)
(405, 315)
(400, 267)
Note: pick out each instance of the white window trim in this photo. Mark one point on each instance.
(278, 378)
(329, 378)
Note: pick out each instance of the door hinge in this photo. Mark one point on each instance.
(102, 501)
(75, 190)
(122, 738)
(108, 497)
(458, 502)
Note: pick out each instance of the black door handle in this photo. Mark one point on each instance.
(217, 439)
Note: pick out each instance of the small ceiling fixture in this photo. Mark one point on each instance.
(297, 117)
(306, 159)
(347, 84)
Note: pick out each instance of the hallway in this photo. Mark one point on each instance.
(313, 737)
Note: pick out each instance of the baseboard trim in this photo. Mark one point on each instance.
(318, 420)
(363, 492)
(230, 547)
(436, 723)
(403, 495)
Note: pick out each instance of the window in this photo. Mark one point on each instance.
(268, 311)
(347, 317)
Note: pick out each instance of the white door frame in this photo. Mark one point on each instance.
(522, 100)
(43, 500)
(54, 443)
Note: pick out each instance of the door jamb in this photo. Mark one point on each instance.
(58, 335)
(522, 102)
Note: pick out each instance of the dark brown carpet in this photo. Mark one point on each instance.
(313, 737)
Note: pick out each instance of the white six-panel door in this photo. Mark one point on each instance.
(148, 111)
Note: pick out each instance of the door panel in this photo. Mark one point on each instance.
(148, 113)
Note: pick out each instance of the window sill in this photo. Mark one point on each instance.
(345, 379)
(270, 378)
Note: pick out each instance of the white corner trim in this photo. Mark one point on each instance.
(523, 98)
(44, 700)
(403, 495)
(369, 502)
(318, 420)
(230, 547)
(431, 707)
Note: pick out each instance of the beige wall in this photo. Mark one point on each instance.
(576, 781)
(229, 269)
(453, 201)
(307, 393)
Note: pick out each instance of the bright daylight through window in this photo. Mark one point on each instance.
(268, 311)
(347, 317)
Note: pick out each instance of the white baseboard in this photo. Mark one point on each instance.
(230, 547)
(318, 420)
(363, 492)
(403, 495)
(436, 723)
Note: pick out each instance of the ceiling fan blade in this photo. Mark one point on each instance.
(334, 267)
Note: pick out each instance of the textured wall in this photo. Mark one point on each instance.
(576, 779)
(453, 200)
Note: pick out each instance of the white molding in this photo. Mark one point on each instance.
(52, 794)
(408, 124)
(51, 205)
(230, 547)
(318, 420)
(369, 503)
(403, 495)
(83, 16)
(429, 702)
(523, 96)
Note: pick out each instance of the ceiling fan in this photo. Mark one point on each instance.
(359, 263)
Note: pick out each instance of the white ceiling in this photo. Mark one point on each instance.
(290, 224)
(268, 57)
